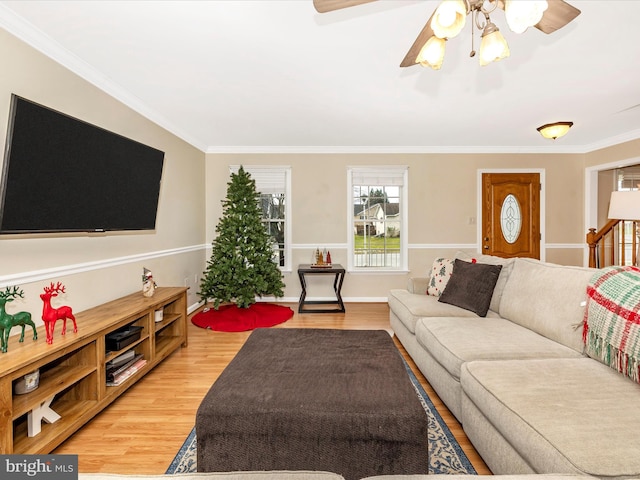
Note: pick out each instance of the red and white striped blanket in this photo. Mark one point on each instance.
(611, 330)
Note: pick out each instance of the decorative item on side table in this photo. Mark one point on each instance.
(148, 283)
(321, 259)
(51, 315)
(7, 321)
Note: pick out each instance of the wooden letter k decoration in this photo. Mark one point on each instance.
(43, 412)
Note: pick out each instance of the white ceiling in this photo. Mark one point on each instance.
(275, 76)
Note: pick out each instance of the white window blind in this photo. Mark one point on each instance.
(269, 180)
(377, 176)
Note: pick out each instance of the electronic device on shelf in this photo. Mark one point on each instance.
(122, 337)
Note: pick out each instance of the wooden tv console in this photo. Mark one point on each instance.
(72, 369)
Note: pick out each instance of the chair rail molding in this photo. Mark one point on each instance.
(49, 273)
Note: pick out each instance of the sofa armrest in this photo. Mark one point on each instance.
(418, 285)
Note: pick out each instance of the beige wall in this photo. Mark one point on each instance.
(100, 267)
(443, 195)
(617, 153)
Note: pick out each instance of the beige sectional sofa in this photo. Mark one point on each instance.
(527, 397)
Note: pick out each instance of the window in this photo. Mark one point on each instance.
(377, 218)
(274, 185)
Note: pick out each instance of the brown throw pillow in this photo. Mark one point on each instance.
(471, 286)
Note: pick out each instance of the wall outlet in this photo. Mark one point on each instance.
(186, 281)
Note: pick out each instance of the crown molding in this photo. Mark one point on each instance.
(424, 149)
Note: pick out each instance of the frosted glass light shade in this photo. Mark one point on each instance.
(625, 205)
(493, 46)
(522, 14)
(449, 18)
(555, 130)
(432, 54)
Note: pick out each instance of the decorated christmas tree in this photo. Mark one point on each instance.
(242, 265)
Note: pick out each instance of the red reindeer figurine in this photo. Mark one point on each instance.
(51, 315)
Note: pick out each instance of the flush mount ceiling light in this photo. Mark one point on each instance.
(555, 130)
(449, 19)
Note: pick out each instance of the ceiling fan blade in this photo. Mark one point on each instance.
(412, 55)
(324, 6)
(556, 16)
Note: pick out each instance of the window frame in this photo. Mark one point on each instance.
(398, 175)
(271, 178)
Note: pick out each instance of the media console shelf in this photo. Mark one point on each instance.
(72, 369)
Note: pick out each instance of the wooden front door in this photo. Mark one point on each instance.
(511, 214)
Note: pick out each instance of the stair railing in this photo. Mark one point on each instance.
(609, 245)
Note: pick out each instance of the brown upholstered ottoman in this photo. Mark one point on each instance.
(314, 399)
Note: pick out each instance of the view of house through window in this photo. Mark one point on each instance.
(273, 185)
(376, 221)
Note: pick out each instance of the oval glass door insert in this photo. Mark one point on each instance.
(510, 219)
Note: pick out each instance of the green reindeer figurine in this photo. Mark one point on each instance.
(7, 321)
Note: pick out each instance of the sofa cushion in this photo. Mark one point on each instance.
(548, 299)
(471, 286)
(560, 415)
(507, 266)
(441, 271)
(409, 307)
(453, 341)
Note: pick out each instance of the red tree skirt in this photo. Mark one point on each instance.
(230, 318)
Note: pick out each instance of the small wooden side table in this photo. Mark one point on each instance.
(338, 271)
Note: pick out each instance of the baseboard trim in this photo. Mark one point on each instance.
(325, 299)
(194, 307)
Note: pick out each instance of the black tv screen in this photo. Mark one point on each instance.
(61, 174)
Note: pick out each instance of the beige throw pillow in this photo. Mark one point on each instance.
(441, 271)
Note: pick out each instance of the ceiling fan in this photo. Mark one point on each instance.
(449, 19)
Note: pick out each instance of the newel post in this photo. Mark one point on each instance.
(592, 247)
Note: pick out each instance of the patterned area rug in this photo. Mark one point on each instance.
(446, 455)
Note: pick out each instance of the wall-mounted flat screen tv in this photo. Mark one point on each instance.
(61, 174)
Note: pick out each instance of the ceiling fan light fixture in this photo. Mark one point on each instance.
(493, 46)
(555, 130)
(449, 18)
(432, 54)
(522, 14)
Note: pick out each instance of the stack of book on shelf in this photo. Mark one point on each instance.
(123, 367)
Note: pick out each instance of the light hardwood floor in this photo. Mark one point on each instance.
(143, 430)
